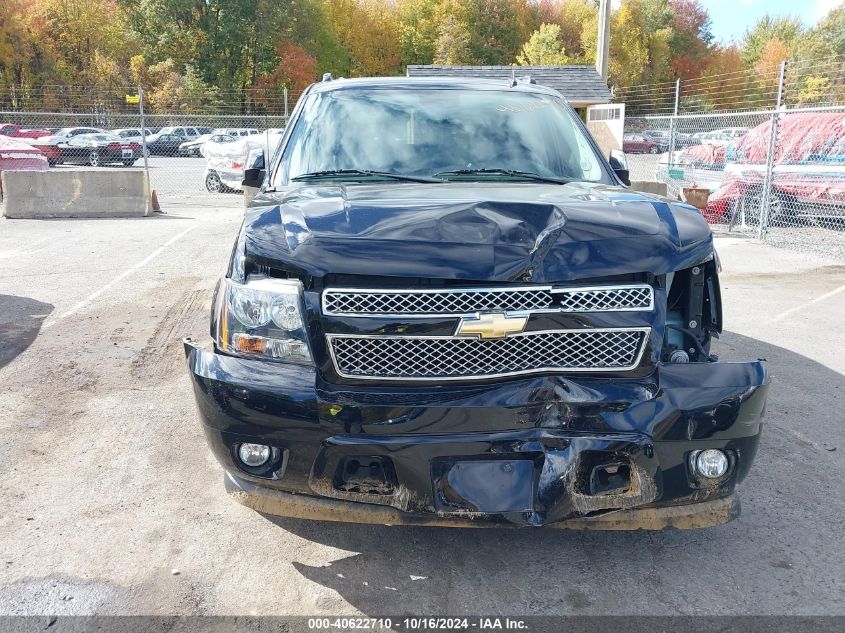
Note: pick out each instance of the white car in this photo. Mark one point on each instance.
(67, 133)
(226, 161)
(733, 132)
(238, 131)
(196, 147)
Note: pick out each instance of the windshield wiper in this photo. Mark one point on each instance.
(341, 173)
(528, 175)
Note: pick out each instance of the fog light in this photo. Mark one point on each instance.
(254, 455)
(711, 463)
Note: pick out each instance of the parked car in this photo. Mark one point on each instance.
(639, 144)
(165, 145)
(439, 310)
(236, 131)
(67, 133)
(16, 131)
(733, 132)
(134, 135)
(700, 166)
(716, 137)
(227, 157)
(98, 149)
(661, 137)
(16, 155)
(196, 147)
(807, 178)
(182, 131)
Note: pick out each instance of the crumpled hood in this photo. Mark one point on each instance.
(472, 231)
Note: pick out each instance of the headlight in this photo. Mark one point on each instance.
(263, 318)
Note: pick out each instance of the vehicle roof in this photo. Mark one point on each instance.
(433, 83)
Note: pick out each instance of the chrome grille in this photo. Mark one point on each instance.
(454, 358)
(467, 301)
(440, 302)
(606, 299)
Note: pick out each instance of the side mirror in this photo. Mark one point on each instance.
(255, 173)
(253, 178)
(619, 165)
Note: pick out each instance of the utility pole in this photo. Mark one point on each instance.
(603, 49)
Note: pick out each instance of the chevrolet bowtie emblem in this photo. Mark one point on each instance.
(491, 325)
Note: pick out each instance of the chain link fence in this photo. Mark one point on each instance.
(191, 158)
(776, 173)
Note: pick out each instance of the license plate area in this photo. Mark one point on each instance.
(127, 153)
(490, 486)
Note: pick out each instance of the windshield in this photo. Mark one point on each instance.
(430, 132)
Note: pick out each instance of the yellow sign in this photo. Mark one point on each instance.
(492, 325)
(133, 99)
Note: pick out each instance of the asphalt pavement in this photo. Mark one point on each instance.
(112, 503)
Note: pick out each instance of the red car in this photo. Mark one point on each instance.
(16, 155)
(639, 144)
(16, 131)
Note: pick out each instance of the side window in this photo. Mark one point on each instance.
(179, 131)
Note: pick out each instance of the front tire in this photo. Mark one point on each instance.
(94, 159)
(653, 150)
(213, 183)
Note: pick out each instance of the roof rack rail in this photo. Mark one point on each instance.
(524, 79)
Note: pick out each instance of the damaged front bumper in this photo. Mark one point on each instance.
(588, 453)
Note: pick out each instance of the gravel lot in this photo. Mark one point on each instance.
(112, 503)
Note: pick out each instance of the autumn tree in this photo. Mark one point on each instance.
(543, 48)
(816, 89)
(725, 83)
(690, 39)
(25, 61)
(418, 27)
(494, 34)
(628, 48)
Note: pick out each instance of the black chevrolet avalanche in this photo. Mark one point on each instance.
(444, 308)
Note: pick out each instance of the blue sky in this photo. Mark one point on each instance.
(732, 17)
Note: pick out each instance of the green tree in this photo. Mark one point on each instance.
(543, 48)
(826, 39)
(786, 29)
(452, 44)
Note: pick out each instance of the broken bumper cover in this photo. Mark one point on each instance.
(587, 453)
(287, 504)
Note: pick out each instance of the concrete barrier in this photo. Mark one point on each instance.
(646, 186)
(71, 193)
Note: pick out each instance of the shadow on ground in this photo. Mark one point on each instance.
(765, 562)
(20, 322)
